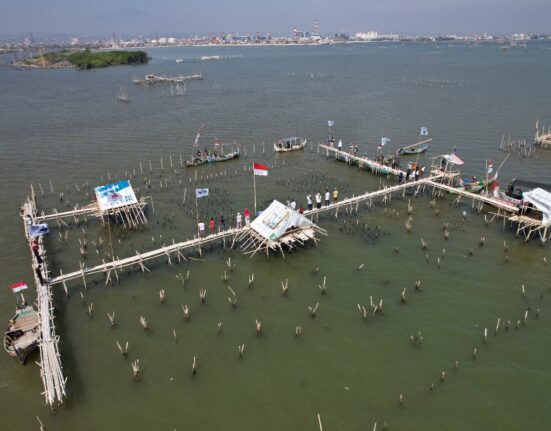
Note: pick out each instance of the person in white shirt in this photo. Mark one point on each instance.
(201, 226)
(309, 201)
(293, 205)
(327, 197)
(239, 220)
(339, 145)
(318, 200)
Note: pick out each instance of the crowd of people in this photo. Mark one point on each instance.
(414, 172)
(212, 226)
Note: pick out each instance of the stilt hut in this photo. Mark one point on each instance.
(119, 201)
(278, 228)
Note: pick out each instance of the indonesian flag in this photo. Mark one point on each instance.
(18, 287)
(260, 169)
(452, 158)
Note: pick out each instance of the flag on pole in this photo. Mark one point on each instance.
(424, 131)
(18, 287)
(260, 169)
(330, 123)
(38, 229)
(384, 141)
(201, 193)
(452, 158)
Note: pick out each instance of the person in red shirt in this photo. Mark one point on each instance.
(212, 226)
(247, 215)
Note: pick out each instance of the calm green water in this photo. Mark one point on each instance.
(66, 126)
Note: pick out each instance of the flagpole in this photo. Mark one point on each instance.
(254, 189)
(197, 210)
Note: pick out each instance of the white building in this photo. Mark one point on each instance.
(370, 35)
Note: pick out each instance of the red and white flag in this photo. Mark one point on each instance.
(260, 169)
(17, 287)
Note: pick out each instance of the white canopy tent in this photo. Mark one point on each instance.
(277, 219)
(541, 199)
(279, 226)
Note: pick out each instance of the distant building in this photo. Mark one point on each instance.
(370, 35)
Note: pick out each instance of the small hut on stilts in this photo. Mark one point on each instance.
(278, 228)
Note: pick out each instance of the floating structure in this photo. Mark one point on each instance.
(543, 137)
(22, 334)
(289, 144)
(160, 79)
(418, 148)
(278, 228)
(202, 158)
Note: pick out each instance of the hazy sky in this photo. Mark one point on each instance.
(93, 17)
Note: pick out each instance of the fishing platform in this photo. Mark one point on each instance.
(116, 200)
(543, 137)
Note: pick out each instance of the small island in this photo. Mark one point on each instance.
(84, 59)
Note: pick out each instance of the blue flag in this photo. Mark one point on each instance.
(330, 123)
(384, 141)
(201, 193)
(424, 131)
(38, 229)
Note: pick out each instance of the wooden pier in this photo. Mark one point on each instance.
(355, 200)
(166, 251)
(493, 202)
(51, 370)
(131, 216)
(386, 192)
(543, 137)
(361, 162)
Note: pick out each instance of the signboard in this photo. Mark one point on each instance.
(115, 195)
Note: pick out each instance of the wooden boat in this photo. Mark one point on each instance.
(201, 158)
(476, 186)
(22, 334)
(414, 150)
(289, 144)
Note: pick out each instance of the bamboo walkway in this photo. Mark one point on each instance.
(140, 258)
(495, 203)
(362, 162)
(355, 200)
(51, 370)
(87, 210)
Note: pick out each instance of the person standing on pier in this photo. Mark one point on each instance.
(38, 271)
(339, 145)
(247, 216)
(222, 222)
(309, 202)
(201, 227)
(34, 248)
(327, 196)
(239, 220)
(335, 195)
(318, 200)
(400, 177)
(212, 226)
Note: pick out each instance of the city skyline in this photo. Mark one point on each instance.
(423, 17)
